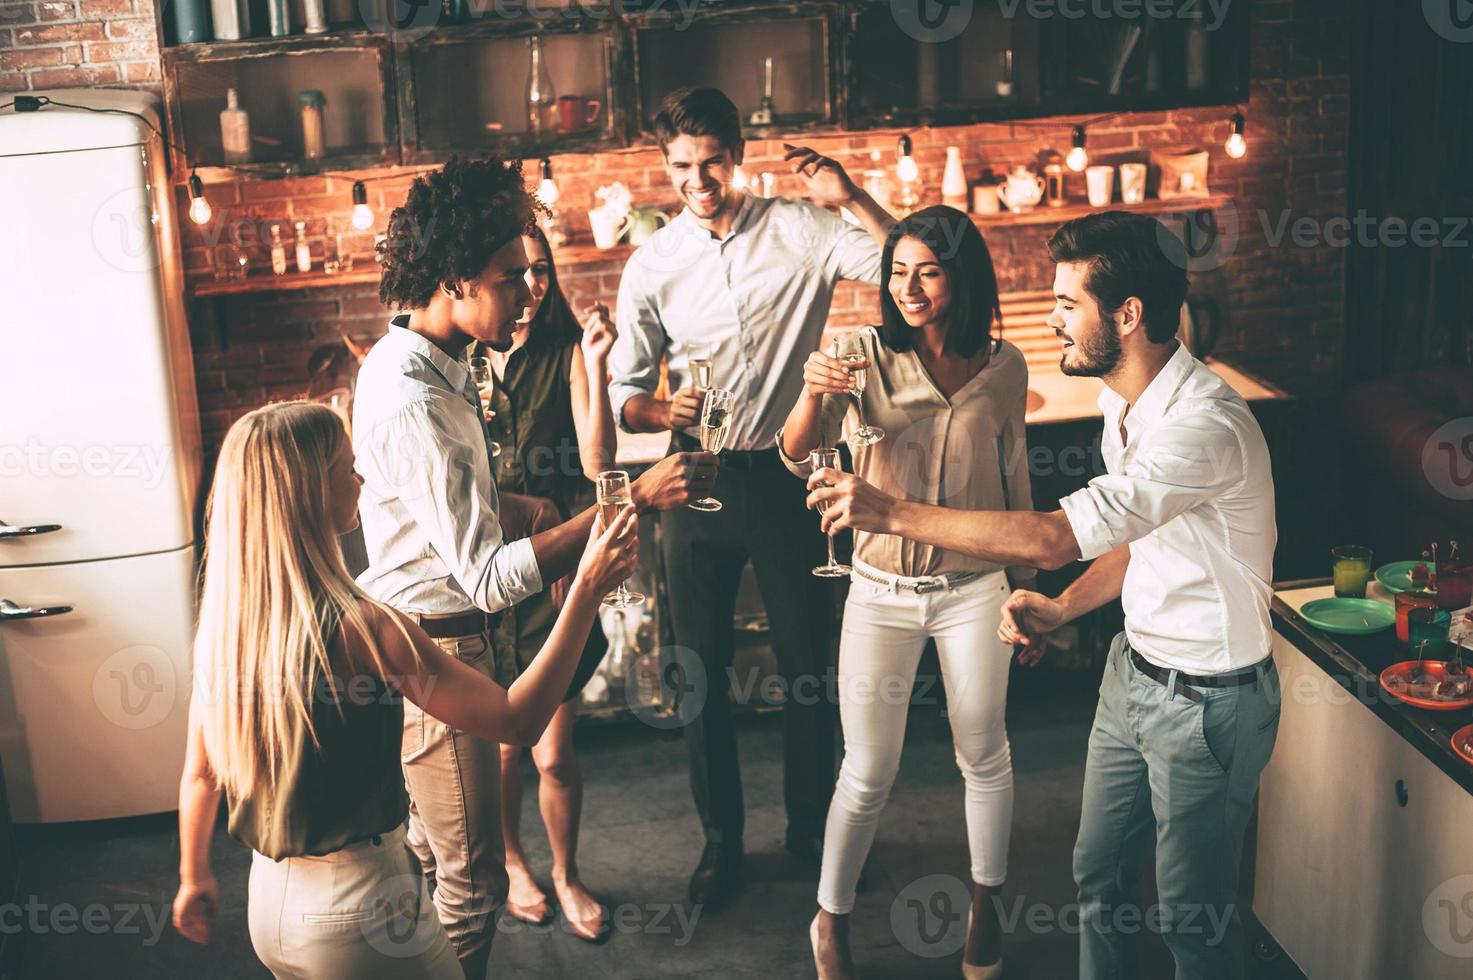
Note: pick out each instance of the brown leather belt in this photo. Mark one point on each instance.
(438, 627)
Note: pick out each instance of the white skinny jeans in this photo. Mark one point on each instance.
(885, 630)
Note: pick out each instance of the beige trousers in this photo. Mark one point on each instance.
(360, 912)
(454, 783)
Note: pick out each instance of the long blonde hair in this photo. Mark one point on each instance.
(275, 590)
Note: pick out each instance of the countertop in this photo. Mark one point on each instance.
(1064, 399)
(1356, 662)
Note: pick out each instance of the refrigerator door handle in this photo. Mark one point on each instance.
(9, 611)
(11, 531)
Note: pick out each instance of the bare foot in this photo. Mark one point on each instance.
(524, 899)
(984, 936)
(829, 934)
(584, 913)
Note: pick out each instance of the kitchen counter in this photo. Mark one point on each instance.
(1053, 398)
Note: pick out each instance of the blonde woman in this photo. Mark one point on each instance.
(297, 717)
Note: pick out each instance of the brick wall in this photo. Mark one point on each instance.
(1283, 305)
(74, 43)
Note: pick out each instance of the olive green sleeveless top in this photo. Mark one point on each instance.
(534, 423)
(347, 788)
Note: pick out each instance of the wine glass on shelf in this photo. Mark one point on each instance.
(485, 380)
(849, 349)
(613, 496)
(715, 423)
(828, 459)
(699, 359)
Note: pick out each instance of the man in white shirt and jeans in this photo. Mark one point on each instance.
(1181, 528)
(430, 511)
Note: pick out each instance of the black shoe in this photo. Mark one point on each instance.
(808, 848)
(718, 878)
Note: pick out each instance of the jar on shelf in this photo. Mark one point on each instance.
(314, 137)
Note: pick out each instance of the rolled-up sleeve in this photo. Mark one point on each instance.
(444, 485)
(634, 363)
(830, 424)
(1186, 461)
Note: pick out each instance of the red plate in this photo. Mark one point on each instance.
(1463, 742)
(1436, 669)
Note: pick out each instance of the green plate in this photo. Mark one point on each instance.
(1397, 576)
(1353, 616)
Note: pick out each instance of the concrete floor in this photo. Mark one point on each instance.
(639, 845)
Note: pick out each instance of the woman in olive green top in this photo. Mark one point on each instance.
(297, 719)
(557, 433)
(950, 399)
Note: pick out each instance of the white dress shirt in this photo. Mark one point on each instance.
(759, 300)
(1192, 493)
(429, 506)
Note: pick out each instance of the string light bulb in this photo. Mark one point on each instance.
(1236, 146)
(906, 170)
(362, 213)
(738, 178)
(199, 208)
(1078, 157)
(547, 190)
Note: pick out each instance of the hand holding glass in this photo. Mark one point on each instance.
(614, 495)
(849, 349)
(828, 459)
(485, 381)
(715, 423)
(699, 356)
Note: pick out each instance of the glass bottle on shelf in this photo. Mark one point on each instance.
(304, 250)
(314, 139)
(235, 130)
(541, 100)
(278, 252)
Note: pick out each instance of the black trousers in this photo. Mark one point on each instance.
(762, 519)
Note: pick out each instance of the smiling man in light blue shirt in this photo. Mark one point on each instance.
(750, 280)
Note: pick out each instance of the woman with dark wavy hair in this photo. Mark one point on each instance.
(950, 398)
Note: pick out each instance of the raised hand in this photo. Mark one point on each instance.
(826, 375)
(599, 334)
(827, 182)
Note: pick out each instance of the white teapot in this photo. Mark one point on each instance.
(1021, 189)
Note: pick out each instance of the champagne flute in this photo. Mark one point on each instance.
(849, 349)
(828, 459)
(700, 365)
(485, 380)
(715, 423)
(613, 496)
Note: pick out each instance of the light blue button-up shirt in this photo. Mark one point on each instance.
(759, 300)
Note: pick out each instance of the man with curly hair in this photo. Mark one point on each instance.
(748, 281)
(454, 264)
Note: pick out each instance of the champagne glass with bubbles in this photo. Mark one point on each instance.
(828, 459)
(614, 496)
(849, 349)
(715, 423)
(485, 380)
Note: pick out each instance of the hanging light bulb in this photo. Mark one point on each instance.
(1078, 157)
(1236, 145)
(362, 213)
(547, 191)
(738, 178)
(199, 208)
(906, 170)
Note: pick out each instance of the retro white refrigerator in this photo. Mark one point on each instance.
(99, 464)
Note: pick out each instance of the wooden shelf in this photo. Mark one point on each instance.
(1045, 215)
(365, 272)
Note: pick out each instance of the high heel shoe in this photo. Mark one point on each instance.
(817, 965)
(992, 971)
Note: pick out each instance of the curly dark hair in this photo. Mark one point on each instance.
(450, 224)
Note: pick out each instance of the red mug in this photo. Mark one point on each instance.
(575, 113)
